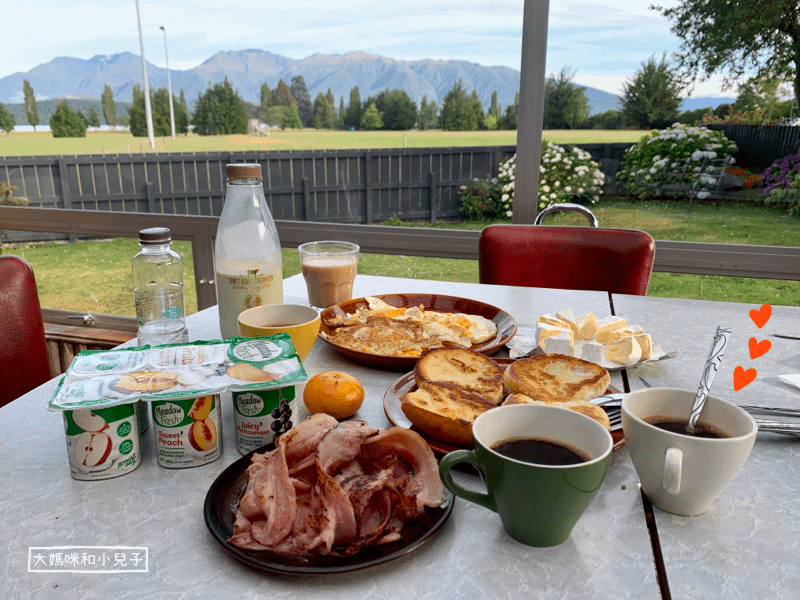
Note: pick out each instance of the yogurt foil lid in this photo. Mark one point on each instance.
(99, 378)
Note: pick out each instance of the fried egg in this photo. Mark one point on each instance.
(380, 328)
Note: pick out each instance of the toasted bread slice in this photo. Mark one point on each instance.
(582, 406)
(444, 413)
(556, 378)
(461, 369)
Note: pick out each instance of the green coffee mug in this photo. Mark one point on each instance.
(538, 504)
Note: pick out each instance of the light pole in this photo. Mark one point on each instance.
(147, 110)
(169, 85)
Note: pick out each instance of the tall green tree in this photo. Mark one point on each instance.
(457, 111)
(92, 118)
(340, 116)
(31, 111)
(352, 116)
(737, 36)
(137, 119)
(65, 122)
(477, 109)
(428, 113)
(565, 103)
(266, 96)
(282, 95)
(160, 106)
(7, 120)
(304, 106)
(291, 117)
(182, 115)
(509, 120)
(220, 111)
(109, 107)
(398, 110)
(651, 98)
(324, 113)
(372, 118)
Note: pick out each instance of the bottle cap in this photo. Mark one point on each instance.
(243, 171)
(155, 236)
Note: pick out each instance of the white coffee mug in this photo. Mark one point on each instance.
(683, 474)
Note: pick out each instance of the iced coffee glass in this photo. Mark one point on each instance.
(329, 268)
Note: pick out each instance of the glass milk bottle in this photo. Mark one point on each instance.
(247, 252)
(158, 290)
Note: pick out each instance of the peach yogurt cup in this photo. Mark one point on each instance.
(187, 430)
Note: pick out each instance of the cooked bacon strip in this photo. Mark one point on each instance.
(276, 496)
(302, 439)
(341, 444)
(425, 483)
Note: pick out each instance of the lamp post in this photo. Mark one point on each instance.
(147, 110)
(169, 85)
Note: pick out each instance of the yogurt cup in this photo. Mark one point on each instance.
(261, 415)
(102, 442)
(188, 431)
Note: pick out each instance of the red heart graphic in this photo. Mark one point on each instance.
(758, 348)
(742, 378)
(761, 315)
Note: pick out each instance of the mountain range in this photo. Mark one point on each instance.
(246, 70)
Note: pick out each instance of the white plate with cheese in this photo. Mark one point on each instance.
(611, 342)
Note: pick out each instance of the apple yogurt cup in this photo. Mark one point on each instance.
(102, 442)
(188, 431)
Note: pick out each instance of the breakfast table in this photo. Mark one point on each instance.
(148, 528)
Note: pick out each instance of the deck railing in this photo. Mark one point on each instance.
(770, 262)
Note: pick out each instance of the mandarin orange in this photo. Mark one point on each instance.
(334, 393)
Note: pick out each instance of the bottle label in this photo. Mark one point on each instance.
(236, 293)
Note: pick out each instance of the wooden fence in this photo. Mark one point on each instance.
(760, 145)
(333, 186)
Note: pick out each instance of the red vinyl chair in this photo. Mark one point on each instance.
(576, 258)
(24, 361)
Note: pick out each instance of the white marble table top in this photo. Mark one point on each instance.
(747, 545)
(607, 556)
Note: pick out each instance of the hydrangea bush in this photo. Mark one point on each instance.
(782, 182)
(665, 151)
(566, 175)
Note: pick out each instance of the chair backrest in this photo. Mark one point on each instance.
(24, 361)
(575, 258)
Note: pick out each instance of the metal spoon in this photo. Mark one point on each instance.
(718, 345)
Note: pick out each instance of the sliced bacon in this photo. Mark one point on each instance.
(334, 488)
(302, 439)
(341, 444)
(276, 496)
(425, 483)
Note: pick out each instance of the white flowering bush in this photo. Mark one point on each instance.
(666, 151)
(565, 175)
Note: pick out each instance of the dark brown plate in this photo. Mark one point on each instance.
(506, 325)
(223, 497)
(406, 383)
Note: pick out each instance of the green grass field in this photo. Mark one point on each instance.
(122, 142)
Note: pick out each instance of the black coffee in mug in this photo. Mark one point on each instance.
(681, 426)
(540, 451)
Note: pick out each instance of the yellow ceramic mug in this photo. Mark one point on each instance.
(299, 321)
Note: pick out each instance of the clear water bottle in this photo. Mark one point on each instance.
(158, 289)
(247, 252)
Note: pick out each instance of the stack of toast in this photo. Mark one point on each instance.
(455, 385)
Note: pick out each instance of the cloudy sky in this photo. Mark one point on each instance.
(604, 41)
